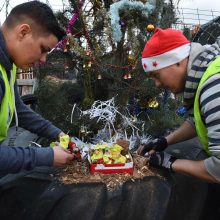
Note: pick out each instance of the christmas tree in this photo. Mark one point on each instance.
(102, 53)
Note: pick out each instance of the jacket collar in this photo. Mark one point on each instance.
(5, 60)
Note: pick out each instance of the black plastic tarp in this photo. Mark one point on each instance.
(38, 195)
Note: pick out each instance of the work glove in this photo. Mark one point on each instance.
(158, 144)
(162, 160)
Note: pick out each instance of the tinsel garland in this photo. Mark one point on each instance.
(69, 25)
(72, 21)
(124, 5)
(74, 17)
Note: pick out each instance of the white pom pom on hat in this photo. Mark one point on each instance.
(164, 48)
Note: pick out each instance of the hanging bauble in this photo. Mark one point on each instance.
(130, 59)
(129, 75)
(99, 76)
(150, 27)
(125, 76)
(65, 49)
(153, 103)
(89, 64)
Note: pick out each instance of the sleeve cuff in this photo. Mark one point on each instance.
(45, 156)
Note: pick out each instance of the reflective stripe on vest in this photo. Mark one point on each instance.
(7, 103)
(202, 132)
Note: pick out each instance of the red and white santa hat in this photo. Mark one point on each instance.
(164, 48)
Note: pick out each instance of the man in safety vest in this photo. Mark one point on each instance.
(29, 32)
(180, 66)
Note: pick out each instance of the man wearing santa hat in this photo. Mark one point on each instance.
(180, 66)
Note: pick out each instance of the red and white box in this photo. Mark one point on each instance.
(112, 168)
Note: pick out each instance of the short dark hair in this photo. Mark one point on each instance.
(40, 13)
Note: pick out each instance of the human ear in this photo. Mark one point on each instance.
(23, 30)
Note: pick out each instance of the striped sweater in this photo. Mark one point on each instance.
(200, 58)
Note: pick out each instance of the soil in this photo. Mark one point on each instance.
(79, 172)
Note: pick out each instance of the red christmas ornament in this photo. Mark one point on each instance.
(74, 150)
(71, 146)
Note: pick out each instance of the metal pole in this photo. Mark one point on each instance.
(6, 8)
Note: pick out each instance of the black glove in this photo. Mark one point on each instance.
(158, 144)
(162, 160)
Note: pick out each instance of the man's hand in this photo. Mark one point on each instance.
(158, 144)
(162, 160)
(61, 156)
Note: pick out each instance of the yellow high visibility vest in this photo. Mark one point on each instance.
(7, 104)
(202, 132)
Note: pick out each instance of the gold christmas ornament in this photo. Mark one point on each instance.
(153, 103)
(150, 27)
(130, 58)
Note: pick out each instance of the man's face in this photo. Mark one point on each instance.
(172, 77)
(31, 49)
